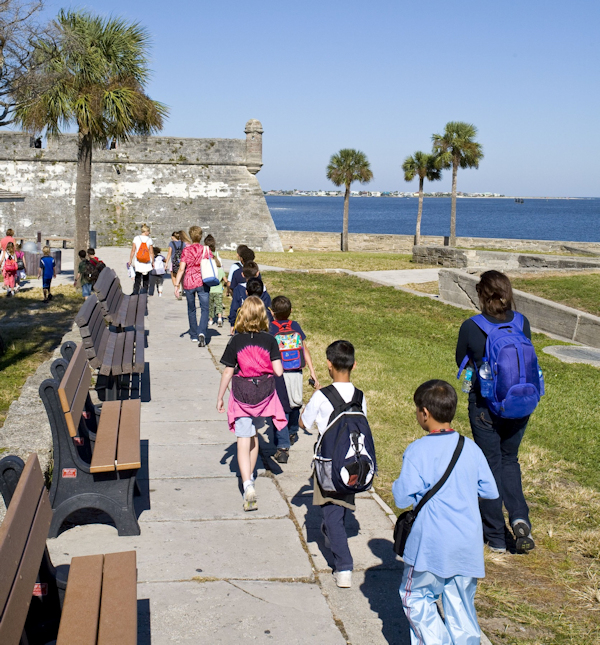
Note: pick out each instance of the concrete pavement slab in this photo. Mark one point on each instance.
(167, 410)
(399, 277)
(186, 432)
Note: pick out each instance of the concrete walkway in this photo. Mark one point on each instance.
(400, 277)
(207, 571)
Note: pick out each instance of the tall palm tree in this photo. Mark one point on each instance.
(99, 67)
(345, 167)
(421, 165)
(457, 148)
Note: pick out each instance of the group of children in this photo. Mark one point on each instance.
(88, 270)
(443, 555)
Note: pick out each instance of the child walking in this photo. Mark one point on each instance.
(251, 361)
(9, 269)
(443, 555)
(157, 275)
(21, 266)
(47, 271)
(84, 275)
(340, 362)
(215, 297)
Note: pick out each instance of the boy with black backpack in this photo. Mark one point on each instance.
(344, 461)
(294, 356)
(83, 277)
(443, 553)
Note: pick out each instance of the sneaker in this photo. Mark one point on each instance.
(201, 341)
(50, 296)
(325, 537)
(343, 579)
(522, 532)
(293, 438)
(160, 294)
(497, 549)
(194, 340)
(250, 499)
(220, 322)
(282, 455)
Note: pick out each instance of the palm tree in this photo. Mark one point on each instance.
(457, 147)
(421, 165)
(99, 68)
(345, 167)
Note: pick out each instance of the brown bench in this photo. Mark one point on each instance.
(91, 470)
(114, 353)
(100, 605)
(124, 312)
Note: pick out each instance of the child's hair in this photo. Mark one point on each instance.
(250, 270)
(82, 254)
(145, 229)
(18, 247)
(247, 255)
(440, 399)
(495, 294)
(91, 251)
(10, 248)
(252, 316)
(46, 250)
(240, 248)
(184, 237)
(10, 233)
(195, 234)
(254, 287)
(281, 308)
(156, 250)
(341, 355)
(210, 241)
(175, 234)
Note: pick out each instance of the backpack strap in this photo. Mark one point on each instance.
(339, 405)
(444, 479)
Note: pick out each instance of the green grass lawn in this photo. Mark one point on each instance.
(581, 290)
(403, 340)
(31, 330)
(353, 261)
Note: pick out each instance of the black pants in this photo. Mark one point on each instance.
(499, 439)
(141, 279)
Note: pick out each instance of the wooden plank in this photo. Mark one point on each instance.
(73, 416)
(85, 313)
(141, 311)
(17, 605)
(17, 522)
(95, 362)
(104, 282)
(118, 613)
(105, 450)
(128, 451)
(128, 352)
(86, 330)
(122, 313)
(114, 293)
(131, 309)
(108, 354)
(100, 347)
(117, 362)
(81, 609)
(70, 382)
(99, 326)
(140, 341)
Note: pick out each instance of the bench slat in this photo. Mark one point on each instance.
(70, 382)
(106, 367)
(131, 310)
(128, 451)
(117, 362)
(85, 312)
(128, 352)
(81, 609)
(113, 298)
(141, 310)
(100, 348)
(140, 340)
(118, 614)
(87, 329)
(98, 327)
(105, 450)
(73, 416)
(28, 556)
(122, 313)
(105, 279)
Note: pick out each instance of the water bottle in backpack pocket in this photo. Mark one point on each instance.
(344, 459)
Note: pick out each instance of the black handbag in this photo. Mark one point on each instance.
(405, 521)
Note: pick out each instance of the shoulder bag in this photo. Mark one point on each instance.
(405, 521)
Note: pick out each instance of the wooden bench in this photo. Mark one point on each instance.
(100, 603)
(91, 469)
(113, 353)
(124, 312)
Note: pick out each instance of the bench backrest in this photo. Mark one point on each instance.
(109, 293)
(74, 388)
(22, 542)
(93, 329)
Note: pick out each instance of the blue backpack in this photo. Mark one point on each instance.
(516, 383)
(345, 453)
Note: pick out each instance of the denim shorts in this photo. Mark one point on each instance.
(244, 427)
(86, 290)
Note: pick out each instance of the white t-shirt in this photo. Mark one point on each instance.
(232, 269)
(318, 409)
(141, 267)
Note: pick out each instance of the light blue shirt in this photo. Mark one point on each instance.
(447, 536)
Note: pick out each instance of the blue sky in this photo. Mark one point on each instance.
(382, 77)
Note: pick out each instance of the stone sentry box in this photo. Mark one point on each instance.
(167, 182)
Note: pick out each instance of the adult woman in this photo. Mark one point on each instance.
(498, 438)
(142, 258)
(191, 274)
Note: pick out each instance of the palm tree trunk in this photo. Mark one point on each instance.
(83, 193)
(453, 209)
(345, 224)
(419, 212)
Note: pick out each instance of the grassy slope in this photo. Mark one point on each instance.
(580, 290)
(31, 331)
(403, 340)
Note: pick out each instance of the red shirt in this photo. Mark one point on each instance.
(5, 240)
(192, 255)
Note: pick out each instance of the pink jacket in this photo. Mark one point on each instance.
(270, 407)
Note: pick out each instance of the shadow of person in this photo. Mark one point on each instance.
(380, 587)
(230, 458)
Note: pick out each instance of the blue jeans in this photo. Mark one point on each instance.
(499, 439)
(203, 297)
(294, 421)
(281, 438)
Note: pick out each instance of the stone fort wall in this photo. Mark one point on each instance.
(167, 182)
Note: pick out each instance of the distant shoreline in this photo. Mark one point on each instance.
(438, 197)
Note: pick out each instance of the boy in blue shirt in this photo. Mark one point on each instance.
(444, 551)
(47, 271)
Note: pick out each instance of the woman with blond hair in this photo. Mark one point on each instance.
(251, 360)
(142, 259)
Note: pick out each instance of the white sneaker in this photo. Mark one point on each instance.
(343, 579)
(250, 499)
(201, 341)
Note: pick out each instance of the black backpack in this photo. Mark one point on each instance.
(97, 268)
(344, 457)
(177, 257)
